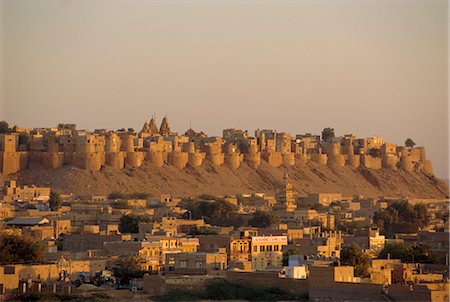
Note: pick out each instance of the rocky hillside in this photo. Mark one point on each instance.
(222, 180)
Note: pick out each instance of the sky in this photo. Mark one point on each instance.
(363, 67)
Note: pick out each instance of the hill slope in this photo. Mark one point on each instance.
(222, 180)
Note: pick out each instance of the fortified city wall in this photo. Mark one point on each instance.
(53, 148)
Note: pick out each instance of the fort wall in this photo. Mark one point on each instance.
(91, 150)
(273, 158)
(371, 162)
(353, 160)
(155, 157)
(319, 158)
(195, 159)
(115, 160)
(288, 159)
(253, 156)
(134, 159)
(179, 159)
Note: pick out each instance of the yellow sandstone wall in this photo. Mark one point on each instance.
(48, 160)
(89, 161)
(9, 162)
(112, 144)
(253, 156)
(390, 161)
(288, 159)
(115, 160)
(127, 143)
(427, 166)
(353, 160)
(134, 159)
(234, 159)
(156, 158)
(336, 160)
(273, 158)
(406, 163)
(371, 162)
(178, 159)
(319, 158)
(302, 158)
(196, 158)
(214, 154)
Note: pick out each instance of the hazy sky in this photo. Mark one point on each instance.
(367, 67)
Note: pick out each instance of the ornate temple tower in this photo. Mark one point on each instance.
(286, 199)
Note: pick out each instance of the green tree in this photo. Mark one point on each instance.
(354, 256)
(194, 230)
(417, 254)
(409, 143)
(289, 250)
(129, 223)
(327, 134)
(395, 250)
(4, 127)
(215, 212)
(401, 216)
(263, 219)
(127, 268)
(54, 201)
(20, 249)
(423, 254)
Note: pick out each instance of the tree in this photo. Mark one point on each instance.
(20, 249)
(395, 250)
(354, 256)
(127, 268)
(417, 254)
(54, 201)
(129, 223)
(263, 219)
(194, 230)
(409, 143)
(216, 212)
(4, 127)
(289, 250)
(401, 216)
(327, 134)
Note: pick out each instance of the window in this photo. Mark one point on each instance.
(9, 270)
(198, 264)
(269, 248)
(276, 248)
(262, 248)
(183, 264)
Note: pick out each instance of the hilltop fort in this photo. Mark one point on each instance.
(64, 146)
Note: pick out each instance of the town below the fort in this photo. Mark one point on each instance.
(266, 245)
